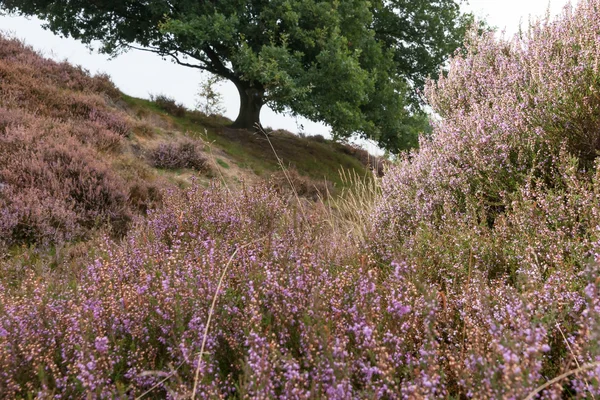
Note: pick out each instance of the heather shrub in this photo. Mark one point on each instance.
(47, 89)
(209, 221)
(144, 188)
(28, 216)
(169, 105)
(181, 154)
(543, 229)
(96, 136)
(13, 118)
(112, 121)
(498, 211)
(16, 54)
(508, 108)
(298, 315)
(101, 83)
(55, 189)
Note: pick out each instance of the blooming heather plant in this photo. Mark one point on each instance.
(507, 109)
(505, 193)
(298, 316)
(56, 90)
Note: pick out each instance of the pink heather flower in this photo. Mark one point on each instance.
(101, 344)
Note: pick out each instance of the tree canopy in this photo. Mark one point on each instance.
(355, 65)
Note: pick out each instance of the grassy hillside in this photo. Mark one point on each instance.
(251, 152)
(76, 154)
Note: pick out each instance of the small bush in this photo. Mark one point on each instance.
(182, 154)
(508, 109)
(111, 120)
(102, 83)
(210, 101)
(169, 105)
(95, 135)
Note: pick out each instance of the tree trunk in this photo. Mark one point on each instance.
(251, 101)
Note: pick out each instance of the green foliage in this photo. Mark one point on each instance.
(210, 101)
(356, 65)
(222, 163)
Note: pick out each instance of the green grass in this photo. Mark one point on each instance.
(251, 151)
(222, 163)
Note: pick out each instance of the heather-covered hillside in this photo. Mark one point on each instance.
(470, 270)
(59, 130)
(76, 155)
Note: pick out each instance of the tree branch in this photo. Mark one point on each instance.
(217, 63)
(174, 56)
(213, 65)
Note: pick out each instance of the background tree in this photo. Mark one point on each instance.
(209, 100)
(355, 65)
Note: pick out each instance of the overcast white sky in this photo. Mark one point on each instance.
(140, 74)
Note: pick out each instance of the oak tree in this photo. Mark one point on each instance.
(355, 65)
